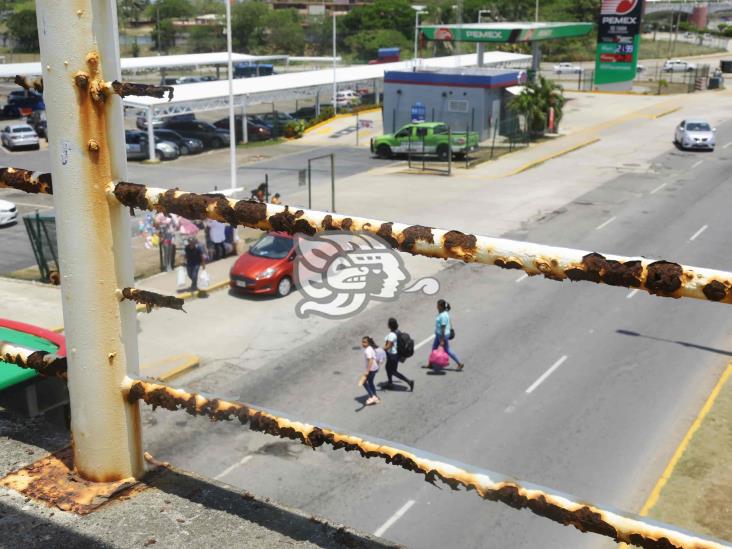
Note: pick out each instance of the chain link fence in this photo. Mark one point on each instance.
(41, 231)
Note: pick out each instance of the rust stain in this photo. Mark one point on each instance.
(459, 245)
(93, 146)
(412, 235)
(27, 84)
(715, 291)
(123, 89)
(596, 268)
(42, 362)
(53, 482)
(26, 180)
(664, 278)
(152, 299)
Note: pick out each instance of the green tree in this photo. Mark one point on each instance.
(170, 9)
(381, 15)
(365, 44)
(283, 32)
(535, 101)
(247, 21)
(207, 38)
(131, 10)
(23, 28)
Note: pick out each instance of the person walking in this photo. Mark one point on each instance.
(372, 366)
(391, 346)
(194, 261)
(217, 234)
(276, 200)
(443, 331)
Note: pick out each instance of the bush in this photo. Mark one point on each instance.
(294, 129)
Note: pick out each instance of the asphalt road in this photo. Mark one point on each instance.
(583, 388)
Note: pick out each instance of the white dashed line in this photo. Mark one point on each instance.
(395, 517)
(545, 375)
(695, 164)
(632, 293)
(728, 145)
(424, 342)
(605, 224)
(661, 186)
(697, 233)
(229, 469)
(522, 277)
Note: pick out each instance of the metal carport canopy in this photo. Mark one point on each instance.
(151, 62)
(207, 96)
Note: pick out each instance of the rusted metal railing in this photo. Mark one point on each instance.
(42, 362)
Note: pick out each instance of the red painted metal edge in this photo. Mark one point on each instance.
(53, 337)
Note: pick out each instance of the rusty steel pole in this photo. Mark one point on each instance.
(79, 52)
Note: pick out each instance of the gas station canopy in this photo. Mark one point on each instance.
(505, 32)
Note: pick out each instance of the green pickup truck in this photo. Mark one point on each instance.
(434, 135)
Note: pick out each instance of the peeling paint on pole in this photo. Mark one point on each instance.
(79, 54)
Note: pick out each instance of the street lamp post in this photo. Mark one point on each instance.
(232, 118)
(335, 84)
(481, 46)
(418, 10)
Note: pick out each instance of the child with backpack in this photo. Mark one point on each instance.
(398, 346)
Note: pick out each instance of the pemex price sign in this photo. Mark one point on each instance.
(618, 38)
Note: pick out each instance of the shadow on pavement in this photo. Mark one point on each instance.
(682, 343)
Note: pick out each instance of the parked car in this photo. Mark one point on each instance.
(276, 121)
(210, 135)
(695, 134)
(347, 98)
(136, 144)
(436, 136)
(158, 122)
(20, 95)
(8, 213)
(255, 132)
(567, 68)
(19, 136)
(304, 113)
(189, 80)
(266, 268)
(37, 121)
(186, 145)
(677, 65)
(18, 106)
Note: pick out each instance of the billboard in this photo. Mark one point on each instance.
(618, 38)
(504, 32)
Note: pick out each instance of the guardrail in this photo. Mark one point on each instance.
(92, 198)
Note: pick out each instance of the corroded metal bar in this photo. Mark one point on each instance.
(561, 508)
(150, 299)
(123, 89)
(26, 180)
(663, 278)
(42, 362)
(28, 84)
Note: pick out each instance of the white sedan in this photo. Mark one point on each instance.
(567, 68)
(8, 213)
(20, 135)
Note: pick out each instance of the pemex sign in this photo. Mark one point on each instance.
(618, 38)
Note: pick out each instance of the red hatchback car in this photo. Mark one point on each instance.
(266, 268)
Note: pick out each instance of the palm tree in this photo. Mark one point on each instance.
(534, 102)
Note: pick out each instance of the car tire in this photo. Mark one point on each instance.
(443, 152)
(216, 143)
(184, 150)
(384, 151)
(284, 286)
(36, 147)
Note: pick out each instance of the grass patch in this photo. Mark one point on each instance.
(254, 144)
(698, 496)
(660, 49)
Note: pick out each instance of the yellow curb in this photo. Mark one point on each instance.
(666, 475)
(211, 288)
(664, 113)
(548, 157)
(189, 363)
(336, 117)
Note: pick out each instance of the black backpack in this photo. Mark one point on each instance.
(405, 346)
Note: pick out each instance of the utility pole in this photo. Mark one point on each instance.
(232, 118)
(335, 83)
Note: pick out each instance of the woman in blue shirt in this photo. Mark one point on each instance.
(443, 329)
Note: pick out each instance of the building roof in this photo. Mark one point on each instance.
(214, 95)
(472, 77)
(505, 32)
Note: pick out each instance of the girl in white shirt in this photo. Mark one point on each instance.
(372, 366)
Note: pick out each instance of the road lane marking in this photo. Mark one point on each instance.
(697, 233)
(605, 224)
(695, 164)
(522, 277)
(728, 145)
(229, 469)
(661, 186)
(395, 517)
(423, 342)
(653, 498)
(631, 294)
(546, 374)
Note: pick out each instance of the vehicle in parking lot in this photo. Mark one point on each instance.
(16, 96)
(276, 120)
(347, 98)
(8, 213)
(186, 145)
(266, 268)
(19, 136)
(430, 137)
(305, 113)
(37, 121)
(136, 144)
(695, 134)
(567, 68)
(255, 132)
(677, 65)
(210, 135)
(158, 122)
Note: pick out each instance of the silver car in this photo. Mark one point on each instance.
(8, 213)
(695, 134)
(20, 135)
(136, 144)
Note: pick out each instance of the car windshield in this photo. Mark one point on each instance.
(697, 127)
(22, 129)
(274, 247)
